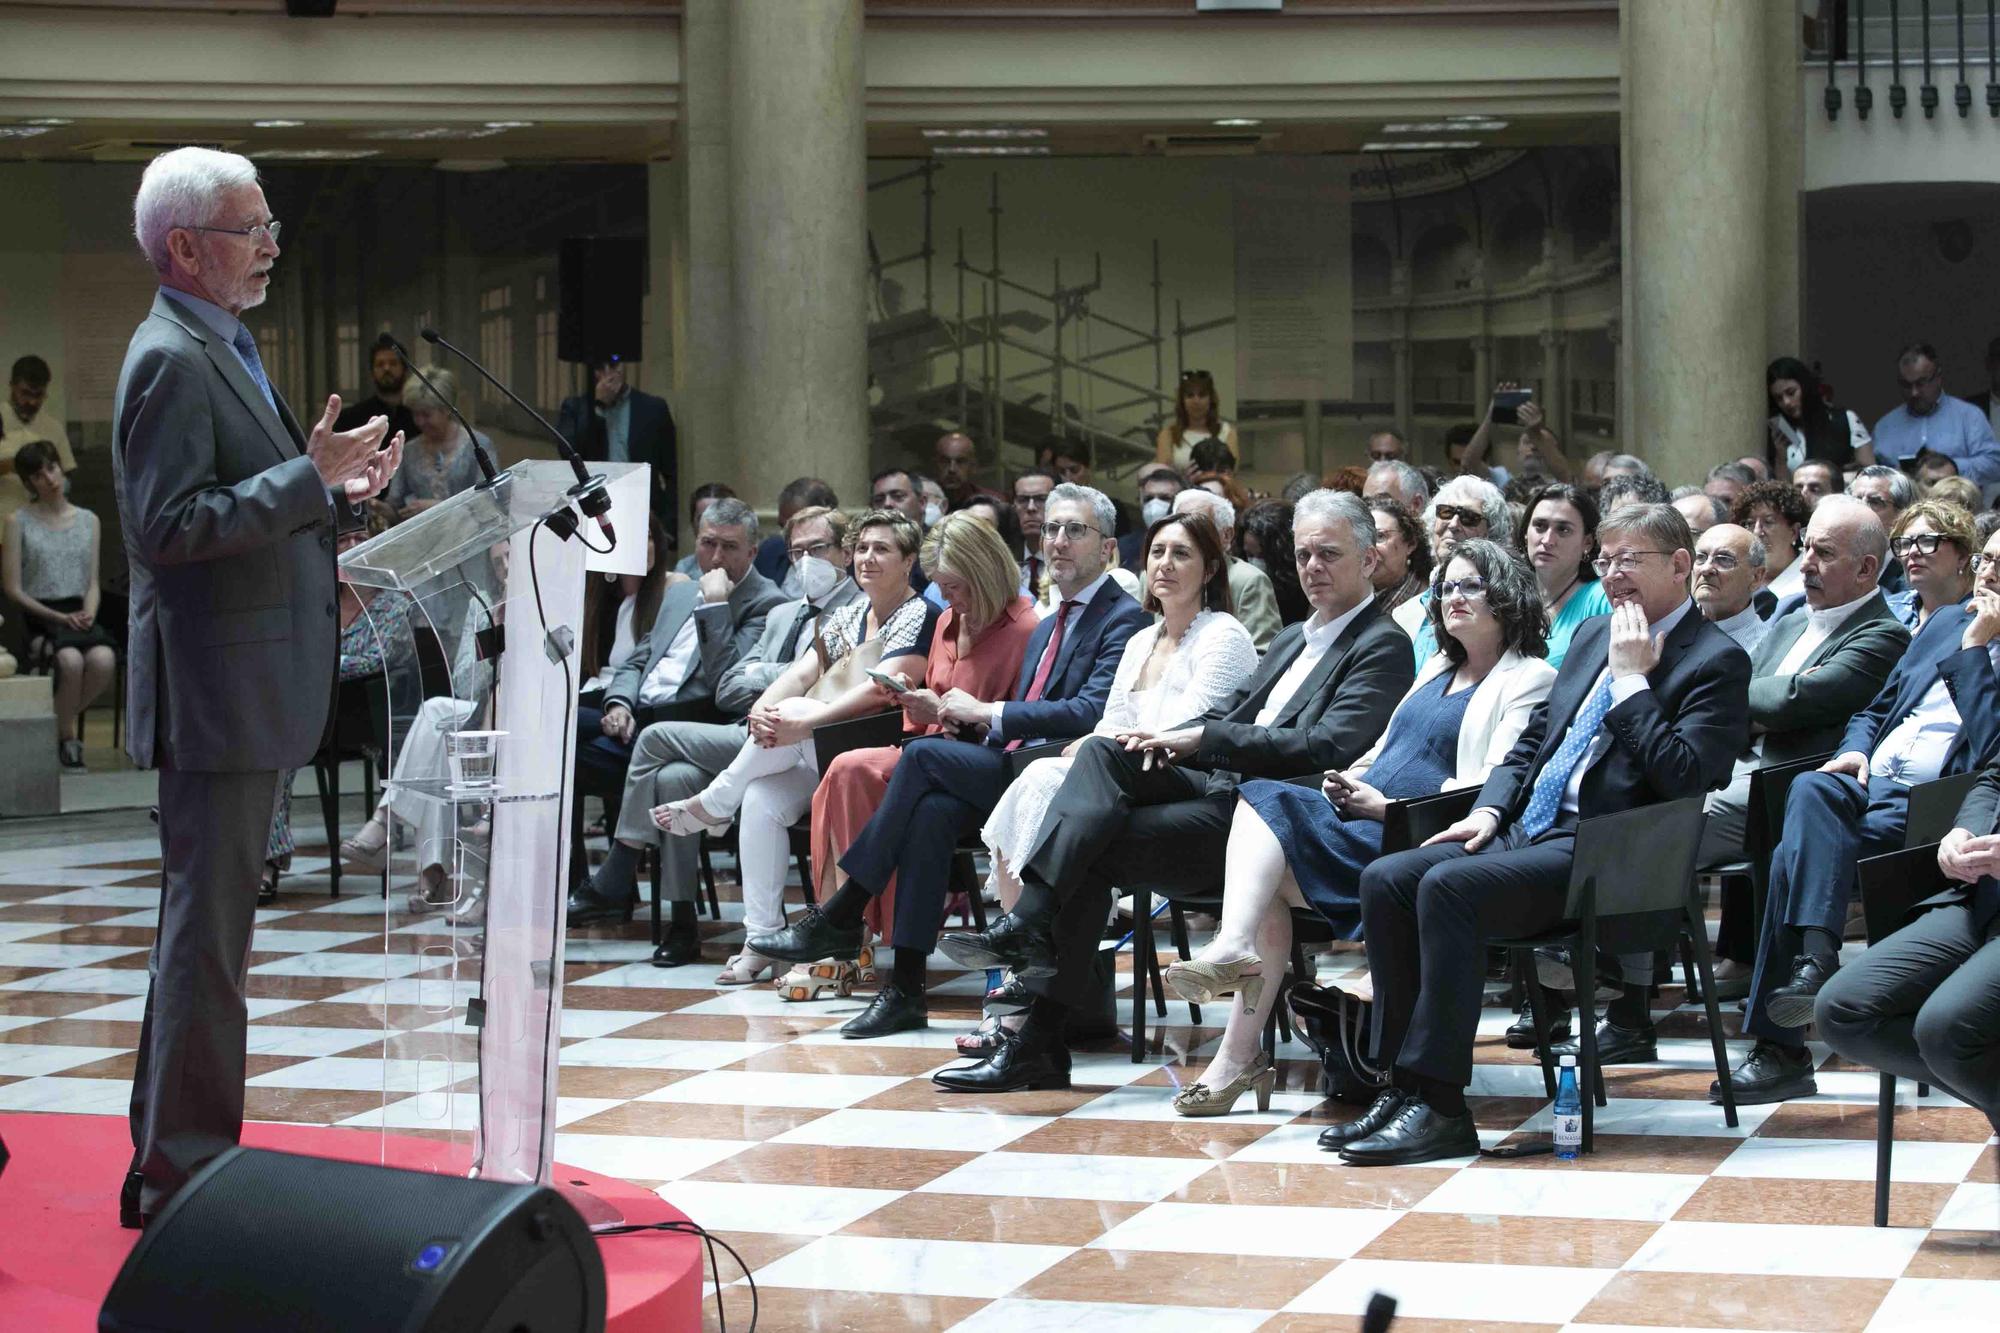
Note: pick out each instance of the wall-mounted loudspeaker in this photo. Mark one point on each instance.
(600, 284)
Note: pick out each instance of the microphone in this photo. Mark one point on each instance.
(589, 492)
(478, 454)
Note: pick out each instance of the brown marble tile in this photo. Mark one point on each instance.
(798, 1310)
(265, 986)
(307, 1106)
(1460, 1239)
(74, 1032)
(600, 1081)
(1855, 1120)
(687, 1120)
(139, 863)
(1209, 1137)
(1658, 1081)
(358, 1017)
(1330, 1186)
(1497, 1112)
(920, 1094)
(58, 917)
(987, 1218)
(1711, 1300)
(131, 937)
(151, 881)
(757, 1249)
(1956, 1254)
(1693, 1023)
(1811, 1202)
(627, 999)
(1293, 1076)
(887, 1167)
(854, 1057)
(1338, 1323)
(721, 1027)
(1985, 1168)
(48, 1003)
(331, 922)
(122, 1066)
(1225, 1281)
(1669, 1154)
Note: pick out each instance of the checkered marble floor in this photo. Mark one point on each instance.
(863, 1198)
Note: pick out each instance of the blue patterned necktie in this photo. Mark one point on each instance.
(246, 347)
(1546, 798)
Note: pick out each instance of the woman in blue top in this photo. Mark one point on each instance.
(1561, 540)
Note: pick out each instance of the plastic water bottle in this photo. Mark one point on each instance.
(1569, 1112)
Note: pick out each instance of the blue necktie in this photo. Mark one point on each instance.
(246, 347)
(1544, 801)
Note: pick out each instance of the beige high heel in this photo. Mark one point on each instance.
(1198, 1099)
(1203, 983)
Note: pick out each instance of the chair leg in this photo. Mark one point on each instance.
(1885, 1144)
(1687, 969)
(658, 935)
(1694, 938)
(975, 898)
(1583, 953)
(1923, 1089)
(326, 775)
(707, 875)
(1177, 925)
(1142, 949)
(1538, 1008)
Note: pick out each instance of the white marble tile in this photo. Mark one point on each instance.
(24, 863)
(582, 949)
(600, 1022)
(644, 976)
(1025, 1316)
(743, 1087)
(433, 993)
(939, 1036)
(1071, 1176)
(1250, 1229)
(1298, 1144)
(8, 1022)
(61, 955)
(1660, 1115)
(642, 1053)
(366, 904)
(758, 1001)
(798, 1210)
(1778, 1249)
(84, 1096)
(85, 888)
(1848, 1159)
(134, 1009)
(27, 1061)
(87, 981)
(952, 1131)
(1425, 1290)
(1109, 1069)
(149, 918)
(1973, 1206)
(356, 966)
(910, 1267)
(11, 931)
(1938, 1305)
(306, 941)
(1616, 1195)
(637, 1157)
(341, 1073)
(1509, 1081)
(1157, 1104)
(311, 1042)
(460, 1112)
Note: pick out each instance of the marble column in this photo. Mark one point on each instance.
(1694, 76)
(694, 199)
(1405, 410)
(1482, 370)
(1555, 382)
(1784, 182)
(798, 213)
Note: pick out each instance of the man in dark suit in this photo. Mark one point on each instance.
(1937, 714)
(1650, 705)
(388, 373)
(943, 787)
(616, 423)
(1156, 809)
(1924, 1003)
(229, 512)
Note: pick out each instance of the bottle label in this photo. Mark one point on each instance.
(1569, 1129)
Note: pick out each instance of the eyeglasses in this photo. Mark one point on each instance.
(1722, 562)
(1070, 532)
(1923, 544)
(1624, 563)
(1472, 589)
(1470, 515)
(798, 553)
(1911, 386)
(258, 234)
(1979, 562)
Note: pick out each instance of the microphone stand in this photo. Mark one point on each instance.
(478, 454)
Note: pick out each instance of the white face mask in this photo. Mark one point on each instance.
(933, 514)
(818, 577)
(1154, 510)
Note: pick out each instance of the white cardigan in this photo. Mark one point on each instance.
(1495, 716)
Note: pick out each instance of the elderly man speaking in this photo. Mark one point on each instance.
(229, 511)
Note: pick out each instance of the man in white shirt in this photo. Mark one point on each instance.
(1729, 564)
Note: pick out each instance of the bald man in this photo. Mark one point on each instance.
(955, 464)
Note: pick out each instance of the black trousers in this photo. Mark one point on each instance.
(1426, 916)
(940, 790)
(1924, 1004)
(1113, 822)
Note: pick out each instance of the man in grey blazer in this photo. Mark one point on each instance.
(229, 511)
(677, 758)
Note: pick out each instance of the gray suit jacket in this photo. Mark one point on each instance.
(745, 682)
(229, 532)
(1803, 714)
(725, 632)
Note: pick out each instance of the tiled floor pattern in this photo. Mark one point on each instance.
(862, 1198)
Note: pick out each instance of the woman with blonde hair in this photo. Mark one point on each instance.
(1197, 417)
(439, 462)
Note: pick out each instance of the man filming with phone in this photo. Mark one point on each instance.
(1538, 452)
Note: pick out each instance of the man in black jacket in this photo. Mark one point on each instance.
(1156, 808)
(616, 423)
(1651, 704)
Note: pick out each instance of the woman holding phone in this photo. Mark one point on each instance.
(1295, 846)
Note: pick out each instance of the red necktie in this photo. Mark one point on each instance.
(1048, 663)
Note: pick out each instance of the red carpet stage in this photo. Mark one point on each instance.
(60, 1243)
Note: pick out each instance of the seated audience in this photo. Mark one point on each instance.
(1158, 485)
(1630, 488)
(439, 461)
(1266, 540)
(1297, 485)
(1649, 706)
(1463, 507)
(706, 494)
(1776, 514)
(1815, 480)
(1701, 510)
(1727, 482)
(773, 561)
(1319, 699)
(1295, 846)
(1935, 545)
(49, 556)
(1403, 555)
(1400, 482)
(618, 611)
(1728, 572)
(1937, 714)
(935, 504)
(1806, 428)
(1933, 468)
(1197, 417)
(1931, 419)
(1560, 542)
(1538, 453)
(1250, 589)
(955, 463)
(1458, 442)
(1955, 491)
(1760, 468)
(1031, 497)
(1217, 458)
(1596, 468)
(1920, 1004)
(1385, 446)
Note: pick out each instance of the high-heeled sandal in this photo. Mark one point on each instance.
(683, 822)
(1011, 996)
(746, 968)
(368, 852)
(1200, 982)
(983, 1040)
(1198, 1099)
(818, 981)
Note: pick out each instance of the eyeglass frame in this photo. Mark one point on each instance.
(1714, 560)
(1911, 386)
(1069, 530)
(1445, 589)
(270, 229)
(1623, 563)
(794, 554)
(1981, 561)
(1448, 512)
(1901, 546)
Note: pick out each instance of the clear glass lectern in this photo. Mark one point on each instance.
(472, 960)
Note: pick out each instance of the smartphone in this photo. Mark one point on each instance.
(1507, 406)
(888, 682)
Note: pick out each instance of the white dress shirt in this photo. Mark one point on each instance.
(664, 681)
(1319, 636)
(997, 713)
(1914, 749)
(1820, 626)
(1746, 627)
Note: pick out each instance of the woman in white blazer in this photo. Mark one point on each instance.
(1294, 846)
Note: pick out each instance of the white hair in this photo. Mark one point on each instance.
(1220, 512)
(1338, 507)
(1098, 502)
(179, 189)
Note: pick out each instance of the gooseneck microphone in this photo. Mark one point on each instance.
(478, 454)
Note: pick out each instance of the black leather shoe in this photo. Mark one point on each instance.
(1771, 1073)
(1618, 1045)
(1379, 1113)
(678, 950)
(587, 909)
(894, 1010)
(1022, 1062)
(129, 1215)
(1791, 1005)
(809, 939)
(1013, 941)
(1417, 1134)
(1521, 1036)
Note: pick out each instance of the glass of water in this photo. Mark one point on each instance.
(471, 757)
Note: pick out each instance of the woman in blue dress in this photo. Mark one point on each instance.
(1560, 539)
(1294, 846)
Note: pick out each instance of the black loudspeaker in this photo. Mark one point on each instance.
(266, 1240)
(600, 284)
